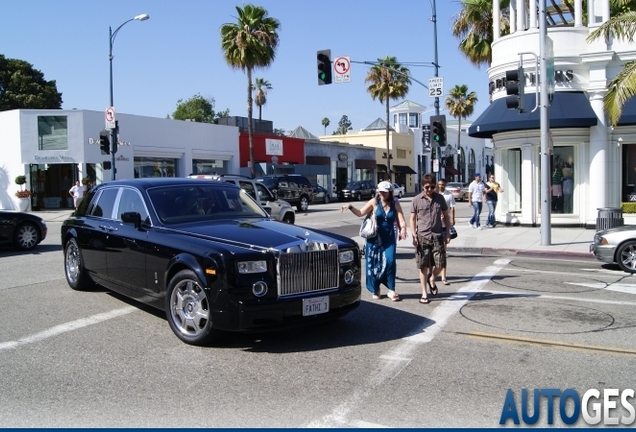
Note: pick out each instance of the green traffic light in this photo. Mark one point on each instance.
(322, 76)
(436, 137)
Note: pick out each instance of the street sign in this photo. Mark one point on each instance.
(549, 63)
(342, 70)
(436, 87)
(435, 165)
(110, 118)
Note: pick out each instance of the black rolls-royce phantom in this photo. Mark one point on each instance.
(208, 255)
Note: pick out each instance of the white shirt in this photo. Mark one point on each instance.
(450, 202)
(477, 191)
(77, 191)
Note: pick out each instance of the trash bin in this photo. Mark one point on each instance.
(609, 217)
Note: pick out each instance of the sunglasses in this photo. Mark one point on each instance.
(429, 187)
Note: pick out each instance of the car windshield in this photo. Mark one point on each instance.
(269, 182)
(352, 185)
(187, 203)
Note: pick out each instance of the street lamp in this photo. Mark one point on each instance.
(111, 40)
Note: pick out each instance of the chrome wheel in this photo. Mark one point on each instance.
(73, 267)
(27, 236)
(627, 257)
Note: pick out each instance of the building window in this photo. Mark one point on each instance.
(52, 133)
(401, 154)
(413, 120)
(562, 179)
(208, 166)
(155, 167)
(402, 117)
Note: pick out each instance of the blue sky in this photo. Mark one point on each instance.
(177, 54)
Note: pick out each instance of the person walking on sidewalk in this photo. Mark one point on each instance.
(476, 191)
(450, 202)
(381, 262)
(491, 200)
(427, 210)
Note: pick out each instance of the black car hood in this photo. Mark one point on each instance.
(263, 233)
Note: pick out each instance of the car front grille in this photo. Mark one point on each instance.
(306, 272)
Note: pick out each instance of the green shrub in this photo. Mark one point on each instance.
(20, 180)
(629, 207)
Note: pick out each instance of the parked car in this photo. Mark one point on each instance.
(209, 256)
(22, 230)
(459, 190)
(398, 190)
(293, 188)
(357, 190)
(616, 245)
(280, 210)
(321, 194)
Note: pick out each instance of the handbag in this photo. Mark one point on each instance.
(369, 227)
(453, 232)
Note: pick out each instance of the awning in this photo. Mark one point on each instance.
(451, 171)
(381, 167)
(628, 113)
(404, 169)
(568, 109)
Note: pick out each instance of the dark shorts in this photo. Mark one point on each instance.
(430, 252)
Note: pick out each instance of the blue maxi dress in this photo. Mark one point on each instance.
(380, 251)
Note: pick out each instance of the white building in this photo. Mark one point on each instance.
(592, 165)
(54, 148)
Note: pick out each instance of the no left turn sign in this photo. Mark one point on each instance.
(110, 118)
(342, 69)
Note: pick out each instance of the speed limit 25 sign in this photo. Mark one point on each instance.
(436, 87)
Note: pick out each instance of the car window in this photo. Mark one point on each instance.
(262, 193)
(130, 201)
(268, 181)
(247, 187)
(105, 203)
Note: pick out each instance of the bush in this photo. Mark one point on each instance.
(629, 207)
(20, 180)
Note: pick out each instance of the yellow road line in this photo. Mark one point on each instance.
(546, 343)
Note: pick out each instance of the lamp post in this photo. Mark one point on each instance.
(111, 40)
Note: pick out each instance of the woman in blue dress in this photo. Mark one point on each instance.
(380, 250)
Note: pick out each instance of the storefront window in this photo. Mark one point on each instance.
(207, 166)
(562, 179)
(155, 167)
(52, 133)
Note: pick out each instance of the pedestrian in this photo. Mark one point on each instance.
(427, 210)
(77, 192)
(381, 264)
(476, 190)
(491, 200)
(450, 202)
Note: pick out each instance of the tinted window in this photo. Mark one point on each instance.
(130, 201)
(268, 181)
(247, 187)
(105, 203)
(263, 193)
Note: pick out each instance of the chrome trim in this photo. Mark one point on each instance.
(306, 272)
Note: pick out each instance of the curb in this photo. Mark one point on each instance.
(520, 252)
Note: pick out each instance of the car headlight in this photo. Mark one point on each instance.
(246, 267)
(345, 256)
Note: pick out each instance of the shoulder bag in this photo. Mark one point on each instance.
(369, 227)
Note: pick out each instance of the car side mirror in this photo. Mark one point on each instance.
(131, 218)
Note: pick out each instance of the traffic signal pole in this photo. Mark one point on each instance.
(436, 64)
(546, 198)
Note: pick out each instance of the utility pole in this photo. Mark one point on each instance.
(436, 64)
(546, 230)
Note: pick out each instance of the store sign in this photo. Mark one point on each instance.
(560, 77)
(93, 141)
(273, 147)
(343, 157)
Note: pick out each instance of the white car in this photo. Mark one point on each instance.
(398, 190)
(278, 209)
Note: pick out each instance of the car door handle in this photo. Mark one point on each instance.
(108, 228)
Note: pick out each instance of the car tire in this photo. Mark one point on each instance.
(303, 204)
(76, 275)
(188, 310)
(288, 218)
(626, 257)
(325, 200)
(26, 236)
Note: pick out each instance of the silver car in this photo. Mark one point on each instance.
(616, 245)
(459, 190)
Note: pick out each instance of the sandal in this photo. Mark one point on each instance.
(445, 282)
(424, 300)
(376, 297)
(432, 288)
(395, 297)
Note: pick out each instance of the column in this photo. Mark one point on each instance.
(605, 10)
(496, 12)
(598, 158)
(533, 15)
(578, 13)
(513, 17)
(521, 15)
(529, 184)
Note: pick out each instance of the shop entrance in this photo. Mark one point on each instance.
(50, 184)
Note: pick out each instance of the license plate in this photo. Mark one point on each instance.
(315, 306)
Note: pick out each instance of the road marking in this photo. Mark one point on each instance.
(397, 358)
(67, 327)
(624, 288)
(547, 343)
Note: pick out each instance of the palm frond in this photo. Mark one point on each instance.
(621, 89)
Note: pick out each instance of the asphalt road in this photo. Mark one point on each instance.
(94, 359)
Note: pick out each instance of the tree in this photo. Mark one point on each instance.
(198, 109)
(22, 86)
(388, 80)
(261, 86)
(279, 132)
(623, 86)
(460, 104)
(344, 125)
(325, 123)
(250, 43)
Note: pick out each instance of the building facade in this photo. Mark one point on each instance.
(592, 165)
(55, 148)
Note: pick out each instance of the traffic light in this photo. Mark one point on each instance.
(324, 67)
(104, 142)
(438, 130)
(114, 148)
(515, 81)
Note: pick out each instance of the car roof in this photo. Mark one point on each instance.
(151, 182)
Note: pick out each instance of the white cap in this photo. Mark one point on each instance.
(385, 186)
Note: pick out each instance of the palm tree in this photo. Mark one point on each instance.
(388, 80)
(460, 104)
(250, 43)
(473, 26)
(261, 86)
(623, 86)
(325, 123)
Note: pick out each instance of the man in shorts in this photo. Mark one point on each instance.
(427, 210)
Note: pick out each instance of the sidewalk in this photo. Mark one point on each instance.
(502, 240)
